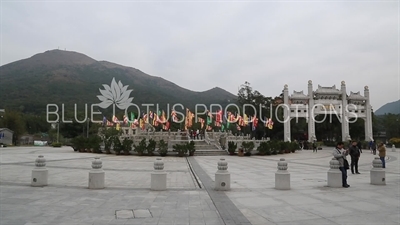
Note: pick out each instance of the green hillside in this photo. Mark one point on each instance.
(391, 107)
(58, 76)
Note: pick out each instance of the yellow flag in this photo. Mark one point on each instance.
(245, 118)
(117, 128)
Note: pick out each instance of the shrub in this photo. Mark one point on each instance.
(127, 146)
(247, 147)
(395, 142)
(181, 149)
(274, 145)
(94, 143)
(191, 148)
(79, 143)
(141, 148)
(293, 146)
(56, 144)
(151, 147)
(264, 148)
(162, 148)
(107, 135)
(232, 147)
(117, 145)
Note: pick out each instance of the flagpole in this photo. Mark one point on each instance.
(58, 130)
(87, 128)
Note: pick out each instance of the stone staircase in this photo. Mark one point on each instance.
(202, 148)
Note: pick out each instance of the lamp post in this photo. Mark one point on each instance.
(87, 128)
(58, 130)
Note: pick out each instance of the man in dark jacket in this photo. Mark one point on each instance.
(355, 153)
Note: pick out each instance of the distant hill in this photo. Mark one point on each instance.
(58, 76)
(391, 107)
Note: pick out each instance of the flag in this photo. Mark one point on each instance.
(155, 120)
(240, 120)
(209, 118)
(109, 124)
(141, 124)
(245, 120)
(254, 122)
(174, 117)
(166, 126)
(201, 120)
(126, 121)
(228, 122)
(115, 119)
(218, 117)
(104, 121)
(189, 119)
(132, 117)
(162, 118)
(270, 124)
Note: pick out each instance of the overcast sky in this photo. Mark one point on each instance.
(204, 44)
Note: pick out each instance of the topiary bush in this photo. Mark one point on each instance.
(141, 147)
(127, 146)
(232, 147)
(162, 148)
(151, 147)
(264, 148)
(56, 144)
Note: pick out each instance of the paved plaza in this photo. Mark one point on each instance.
(190, 198)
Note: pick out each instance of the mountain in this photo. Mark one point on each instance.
(391, 107)
(56, 77)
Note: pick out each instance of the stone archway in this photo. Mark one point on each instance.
(328, 101)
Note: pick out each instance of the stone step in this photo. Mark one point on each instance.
(205, 147)
(210, 152)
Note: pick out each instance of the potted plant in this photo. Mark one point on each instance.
(151, 147)
(181, 149)
(264, 148)
(79, 143)
(117, 145)
(94, 143)
(127, 146)
(141, 147)
(274, 145)
(191, 148)
(107, 136)
(162, 148)
(232, 147)
(293, 146)
(247, 147)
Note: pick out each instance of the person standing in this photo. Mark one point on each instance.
(355, 153)
(382, 153)
(370, 146)
(359, 145)
(314, 147)
(373, 147)
(340, 154)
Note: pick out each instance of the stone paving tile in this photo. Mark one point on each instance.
(252, 200)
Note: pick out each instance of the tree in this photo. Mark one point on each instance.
(13, 120)
(108, 135)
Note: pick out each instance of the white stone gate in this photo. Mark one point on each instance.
(327, 101)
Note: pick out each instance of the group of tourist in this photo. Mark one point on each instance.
(354, 151)
(196, 134)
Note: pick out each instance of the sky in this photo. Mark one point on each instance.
(204, 44)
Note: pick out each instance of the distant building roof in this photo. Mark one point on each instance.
(1, 129)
